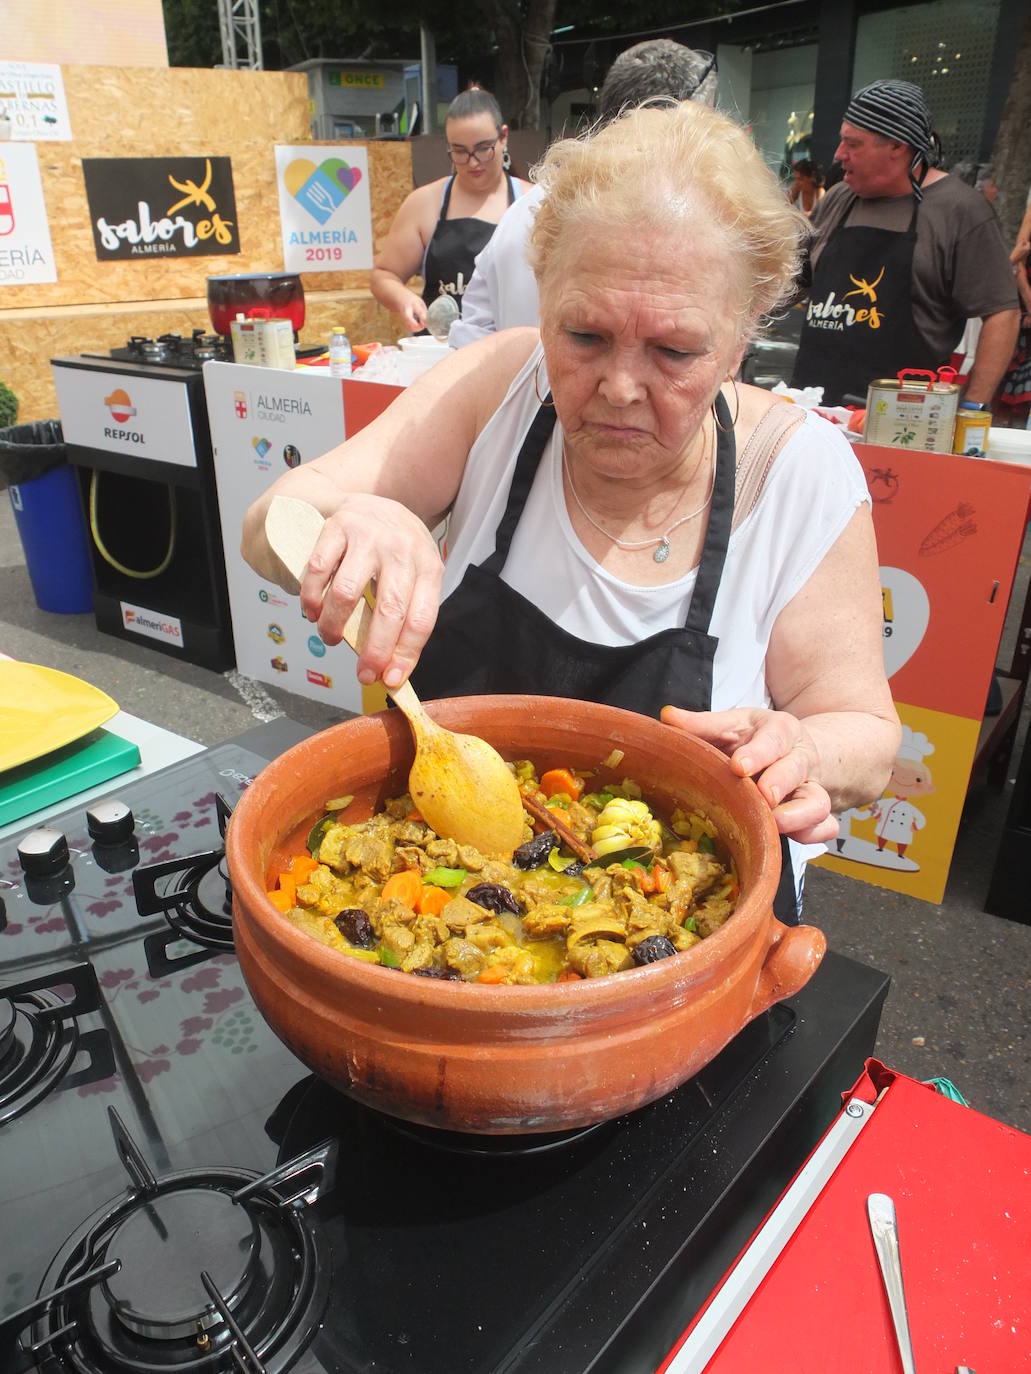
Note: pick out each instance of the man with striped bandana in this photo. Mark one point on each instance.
(902, 255)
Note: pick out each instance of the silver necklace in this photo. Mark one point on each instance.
(662, 552)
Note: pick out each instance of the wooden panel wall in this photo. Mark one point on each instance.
(149, 112)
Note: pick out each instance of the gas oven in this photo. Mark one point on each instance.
(178, 1192)
(136, 426)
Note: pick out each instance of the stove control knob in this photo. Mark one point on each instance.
(43, 852)
(110, 822)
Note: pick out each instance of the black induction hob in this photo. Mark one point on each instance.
(203, 1202)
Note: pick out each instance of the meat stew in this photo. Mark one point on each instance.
(389, 890)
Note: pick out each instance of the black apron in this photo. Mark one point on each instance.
(859, 320)
(451, 252)
(490, 639)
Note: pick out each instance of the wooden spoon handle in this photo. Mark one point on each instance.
(292, 528)
(573, 843)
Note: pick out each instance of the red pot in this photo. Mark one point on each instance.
(500, 1060)
(281, 293)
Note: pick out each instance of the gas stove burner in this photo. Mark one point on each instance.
(194, 892)
(211, 1270)
(492, 1146)
(40, 1037)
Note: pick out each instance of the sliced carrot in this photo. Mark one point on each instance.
(557, 780)
(414, 815)
(661, 878)
(433, 900)
(569, 975)
(302, 866)
(405, 886)
(288, 886)
(493, 973)
(279, 900)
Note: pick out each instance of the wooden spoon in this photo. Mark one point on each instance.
(463, 787)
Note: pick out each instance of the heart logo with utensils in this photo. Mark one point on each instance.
(261, 446)
(348, 177)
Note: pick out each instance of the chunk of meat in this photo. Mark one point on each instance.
(595, 960)
(596, 921)
(370, 851)
(325, 893)
(545, 920)
(465, 957)
(411, 856)
(711, 914)
(693, 875)
(489, 935)
(444, 853)
(460, 913)
(470, 858)
(399, 940)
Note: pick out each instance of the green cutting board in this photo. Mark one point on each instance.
(54, 777)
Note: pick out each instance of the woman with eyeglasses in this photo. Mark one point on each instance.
(443, 225)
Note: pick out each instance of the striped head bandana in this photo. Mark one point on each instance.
(897, 110)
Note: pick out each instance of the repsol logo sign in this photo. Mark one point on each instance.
(126, 436)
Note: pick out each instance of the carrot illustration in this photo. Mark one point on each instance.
(952, 530)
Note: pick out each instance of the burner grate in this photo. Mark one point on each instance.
(214, 1270)
(197, 898)
(40, 1037)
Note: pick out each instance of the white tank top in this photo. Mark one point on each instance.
(811, 493)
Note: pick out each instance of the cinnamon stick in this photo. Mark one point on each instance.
(573, 843)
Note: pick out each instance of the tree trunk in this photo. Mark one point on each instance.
(1011, 155)
(524, 41)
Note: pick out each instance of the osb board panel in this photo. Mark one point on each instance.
(120, 112)
(27, 345)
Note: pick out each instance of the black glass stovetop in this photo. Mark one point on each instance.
(428, 1253)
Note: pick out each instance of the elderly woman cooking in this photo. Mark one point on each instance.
(627, 525)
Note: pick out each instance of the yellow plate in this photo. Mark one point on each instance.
(42, 710)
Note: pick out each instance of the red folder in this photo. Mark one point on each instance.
(961, 1184)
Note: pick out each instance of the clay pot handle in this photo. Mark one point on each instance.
(793, 957)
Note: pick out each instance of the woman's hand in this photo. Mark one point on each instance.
(413, 312)
(775, 748)
(370, 539)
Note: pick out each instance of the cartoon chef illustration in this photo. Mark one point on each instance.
(896, 816)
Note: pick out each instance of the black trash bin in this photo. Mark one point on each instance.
(48, 513)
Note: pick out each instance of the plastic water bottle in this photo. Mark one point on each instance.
(339, 352)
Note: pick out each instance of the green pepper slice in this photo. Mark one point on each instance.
(577, 898)
(445, 877)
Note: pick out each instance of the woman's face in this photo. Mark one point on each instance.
(476, 134)
(639, 329)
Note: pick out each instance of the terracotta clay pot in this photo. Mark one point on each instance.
(501, 1060)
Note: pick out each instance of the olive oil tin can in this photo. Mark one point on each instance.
(914, 410)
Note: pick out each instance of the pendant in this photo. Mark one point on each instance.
(662, 552)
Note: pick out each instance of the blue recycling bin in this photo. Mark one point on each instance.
(49, 517)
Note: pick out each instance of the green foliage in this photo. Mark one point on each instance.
(8, 406)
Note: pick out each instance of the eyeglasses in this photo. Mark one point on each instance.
(480, 153)
(710, 66)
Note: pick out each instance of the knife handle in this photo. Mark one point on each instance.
(884, 1229)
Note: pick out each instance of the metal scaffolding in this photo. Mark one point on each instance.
(240, 26)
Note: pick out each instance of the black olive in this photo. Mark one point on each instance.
(431, 971)
(535, 852)
(494, 897)
(355, 926)
(654, 947)
(574, 870)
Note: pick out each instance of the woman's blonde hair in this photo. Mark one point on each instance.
(672, 166)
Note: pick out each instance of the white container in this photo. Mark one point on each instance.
(1009, 445)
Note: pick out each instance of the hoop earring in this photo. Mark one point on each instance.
(506, 158)
(537, 386)
(737, 409)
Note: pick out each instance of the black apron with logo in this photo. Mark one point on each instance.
(490, 639)
(859, 320)
(451, 252)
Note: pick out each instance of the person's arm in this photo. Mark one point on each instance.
(1023, 245)
(381, 492)
(995, 346)
(833, 733)
(401, 257)
(477, 318)
(1023, 287)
